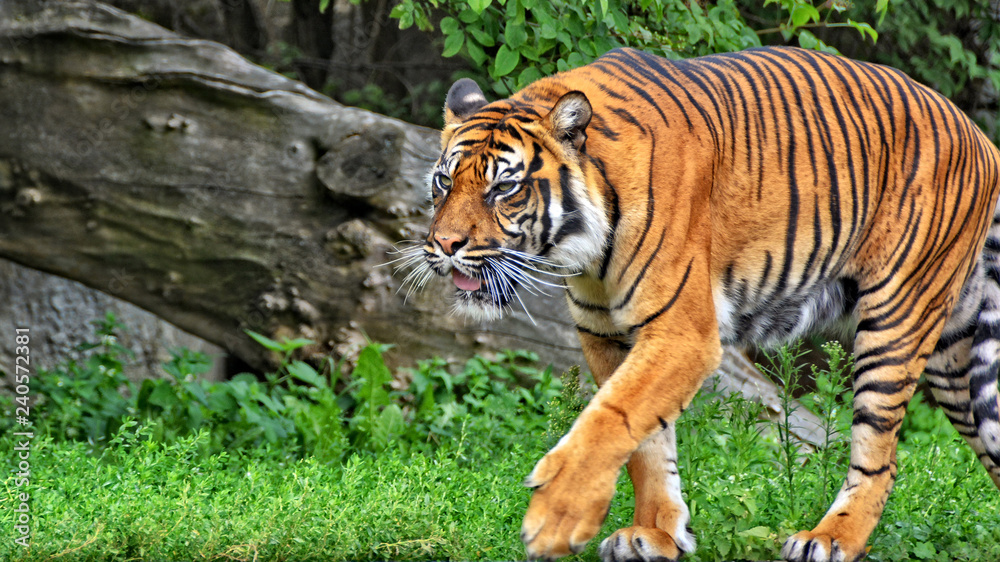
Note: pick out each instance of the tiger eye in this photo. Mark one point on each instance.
(445, 181)
(505, 186)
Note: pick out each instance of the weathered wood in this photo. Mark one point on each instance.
(222, 196)
(215, 193)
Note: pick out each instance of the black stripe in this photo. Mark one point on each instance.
(669, 304)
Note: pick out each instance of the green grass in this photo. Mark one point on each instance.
(151, 501)
(140, 499)
(439, 477)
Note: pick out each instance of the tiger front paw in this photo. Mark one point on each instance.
(807, 546)
(571, 500)
(645, 544)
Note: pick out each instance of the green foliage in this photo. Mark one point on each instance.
(797, 18)
(86, 399)
(505, 397)
(577, 388)
(439, 476)
(297, 407)
(519, 41)
(831, 402)
(784, 369)
(724, 458)
(144, 499)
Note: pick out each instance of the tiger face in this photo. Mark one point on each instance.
(511, 206)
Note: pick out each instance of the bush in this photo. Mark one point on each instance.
(518, 41)
(297, 408)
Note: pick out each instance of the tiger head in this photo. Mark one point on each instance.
(512, 206)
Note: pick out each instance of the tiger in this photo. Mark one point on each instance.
(743, 199)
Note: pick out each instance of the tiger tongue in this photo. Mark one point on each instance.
(464, 282)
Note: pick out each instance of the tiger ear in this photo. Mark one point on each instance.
(464, 99)
(569, 118)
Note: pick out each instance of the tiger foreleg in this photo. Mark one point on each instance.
(575, 481)
(660, 529)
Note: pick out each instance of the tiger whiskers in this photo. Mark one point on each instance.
(526, 280)
(530, 261)
(494, 270)
(502, 276)
(413, 257)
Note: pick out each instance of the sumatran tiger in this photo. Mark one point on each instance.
(747, 199)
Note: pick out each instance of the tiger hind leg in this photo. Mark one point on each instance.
(890, 353)
(962, 373)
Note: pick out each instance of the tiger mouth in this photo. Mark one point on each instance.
(464, 282)
(481, 292)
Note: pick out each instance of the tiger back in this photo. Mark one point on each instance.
(745, 198)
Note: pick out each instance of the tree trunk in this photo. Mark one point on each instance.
(174, 174)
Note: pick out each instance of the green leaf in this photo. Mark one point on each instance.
(881, 8)
(292, 345)
(566, 39)
(449, 26)
(576, 27)
(864, 29)
(398, 10)
(544, 17)
(506, 61)
(305, 373)
(389, 423)
(759, 532)
(604, 8)
(372, 370)
(164, 396)
(515, 35)
(323, 5)
(453, 44)
(621, 20)
(924, 550)
(476, 52)
(196, 390)
(265, 341)
(485, 39)
(803, 13)
(807, 40)
(467, 16)
(479, 5)
(406, 20)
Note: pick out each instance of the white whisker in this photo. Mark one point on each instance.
(537, 259)
(527, 282)
(530, 317)
(407, 255)
(526, 278)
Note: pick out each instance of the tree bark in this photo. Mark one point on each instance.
(219, 195)
(223, 197)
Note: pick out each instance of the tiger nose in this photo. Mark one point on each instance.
(450, 243)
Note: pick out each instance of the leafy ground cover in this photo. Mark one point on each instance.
(307, 464)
